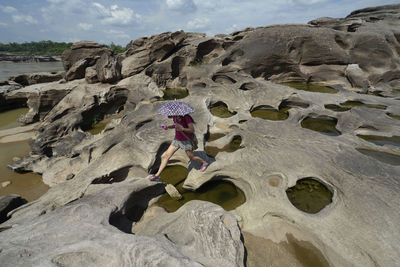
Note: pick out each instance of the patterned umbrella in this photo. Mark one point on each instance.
(175, 108)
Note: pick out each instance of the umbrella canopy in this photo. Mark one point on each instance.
(175, 108)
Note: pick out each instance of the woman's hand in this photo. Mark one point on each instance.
(179, 127)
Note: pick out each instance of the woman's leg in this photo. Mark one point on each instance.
(164, 159)
(196, 158)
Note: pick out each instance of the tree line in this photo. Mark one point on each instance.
(45, 48)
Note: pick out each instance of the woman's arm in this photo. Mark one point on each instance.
(189, 129)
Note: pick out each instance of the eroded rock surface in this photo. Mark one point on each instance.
(357, 56)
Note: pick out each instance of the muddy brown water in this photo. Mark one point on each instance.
(222, 193)
(294, 252)
(381, 140)
(29, 185)
(174, 93)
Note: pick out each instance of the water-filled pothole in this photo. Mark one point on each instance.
(322, 124)
(309, 195)
(219, 192)
(99, 126)
(355, 103)
(9, 118)
(381, 140)
(312, 87)
(234, 145)
(174, 93)
(336, 108)
(397, 117)
(214, 136)
(385, 157)
(269, 113)
(220, 109)
(345, 106)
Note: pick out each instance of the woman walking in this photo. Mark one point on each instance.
(184, 133)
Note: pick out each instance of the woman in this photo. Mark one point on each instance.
(184, 130)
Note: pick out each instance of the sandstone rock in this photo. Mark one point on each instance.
(108, 69)
(34, 78)
(91, 75)
(8, 203)
(82, 50)
(172, 192)
(142, 52)
(5, 184)
(357, 77)
(83, 232)
(238, 71)
(77, 71)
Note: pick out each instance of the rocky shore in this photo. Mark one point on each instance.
(28, 58)
(336, 83)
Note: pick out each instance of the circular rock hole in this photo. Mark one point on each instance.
(312, 87)
(220, 109)
(174, 93)
(222, 193)
(231, 147)
(269, 113)
(309, 195)
(322, 124)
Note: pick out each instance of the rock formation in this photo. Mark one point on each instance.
(101, 208)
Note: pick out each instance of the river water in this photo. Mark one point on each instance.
(8, 69)
(30, 186)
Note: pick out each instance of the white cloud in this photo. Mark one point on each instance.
(3, 24)
(85, 26)
(27, 19)
(198, 23)
(181, 5)
(55, 1)
(118, 34)
(9, 9)
(114, 15)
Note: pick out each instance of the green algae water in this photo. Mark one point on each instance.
(214, 136)
(234, 145)
(393, 116)
(174, 93)
(312, 87)
(271, 114)
(101, 125)
(354, 103)
(336, 108)
(221, 110)
(222, 193)
(309, 195)
(322, 125)
(8, 119)
(388, 158)
(381, 140)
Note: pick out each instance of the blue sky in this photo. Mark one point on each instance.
(124, 20)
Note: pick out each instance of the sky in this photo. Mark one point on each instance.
(120, 21)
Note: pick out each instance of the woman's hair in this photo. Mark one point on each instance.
(191, 118)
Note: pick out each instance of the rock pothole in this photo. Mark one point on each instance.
(233, 145)
(114, 177)
(217, 191)
(223, 79)
(220, 109)
(174, 93)
(270, 113)
(393, 116)
(309, 195)
(322, 124)
(385, 157)
(134, 208)
(381, 140)
(248, 86)
(312, 87)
